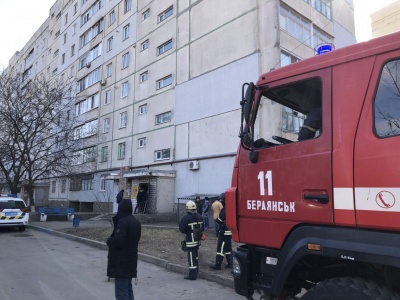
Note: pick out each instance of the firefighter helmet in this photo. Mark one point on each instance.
(222, 197)
(190, 205)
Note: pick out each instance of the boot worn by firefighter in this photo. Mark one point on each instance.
(192, 274)
(228, 266)
(215, 267)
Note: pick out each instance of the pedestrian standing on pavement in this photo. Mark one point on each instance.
(224, 245)
(216, 209)
(206, 209)
(199, 205)
(123, 251)
(191, 221)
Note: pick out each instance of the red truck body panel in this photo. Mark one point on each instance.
(357, 170)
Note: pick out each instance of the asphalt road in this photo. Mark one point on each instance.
(36, 265)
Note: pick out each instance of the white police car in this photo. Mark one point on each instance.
(13, 213)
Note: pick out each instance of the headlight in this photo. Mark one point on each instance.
(236, 270)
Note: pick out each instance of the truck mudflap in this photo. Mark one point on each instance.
(241, 272)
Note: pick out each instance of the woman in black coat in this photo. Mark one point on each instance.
(123, 251)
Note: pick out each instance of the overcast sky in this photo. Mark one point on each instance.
(21, 19)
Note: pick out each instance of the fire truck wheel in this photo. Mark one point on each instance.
(349, 288)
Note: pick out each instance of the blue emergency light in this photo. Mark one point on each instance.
(325, 48)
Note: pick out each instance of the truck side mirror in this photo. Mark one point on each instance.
(248, 101)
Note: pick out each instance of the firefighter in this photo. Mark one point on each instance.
(188, 223)
(224, 245)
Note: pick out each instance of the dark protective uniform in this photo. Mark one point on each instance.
(311, 125)
(224, 245)
(190, 221)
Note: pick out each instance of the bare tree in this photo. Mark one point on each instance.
(36, 129)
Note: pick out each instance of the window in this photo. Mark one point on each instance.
(84, 156)
(162, 154)
(109, 70)
(63, 185)
(102, 184)
(89, 80)
(106, 125)
(121, 151)
(142, 143)
(164, 82)
(144, 45)
(165, 14)
(287, 59)
(85, 130)
(320, 37)
(142, 109)
(104, 154)
(65, 38)
(91, 33)
(110, 44)
(92, 54)
(63, 58)
(164, 47)
(72, 50)
(74, 29)
(125, 60)
(87, 184)
(72, 71)
(144, 76)
(57, 34)
(146, 14)
(87, 15)
(300, 104)
(125, 32)
(55, 54)
(324, 7)
(127, 5)
(163, 118)
(75, 8)
(295, 25)
(123, 119)
(107, 99)
(111, 18)
(124, 89)
(53, 186)
(386, 102)
(58, 15)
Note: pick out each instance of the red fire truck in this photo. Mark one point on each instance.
(315, 196)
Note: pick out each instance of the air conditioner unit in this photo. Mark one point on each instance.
(194, 165)
(103, 82)
(87, 65)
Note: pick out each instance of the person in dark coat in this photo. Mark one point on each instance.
(141, 201)
(190, 221)
(120, 196)
(123, 251)
(199, 205)
(224, 245)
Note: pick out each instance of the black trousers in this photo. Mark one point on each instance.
(193, 260)
(224, 248)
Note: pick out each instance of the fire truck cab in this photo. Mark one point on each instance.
(315, 195)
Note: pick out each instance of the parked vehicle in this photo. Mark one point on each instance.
(13, 213)
(319, 213)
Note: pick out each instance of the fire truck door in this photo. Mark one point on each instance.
(376, 174)
(291, 183)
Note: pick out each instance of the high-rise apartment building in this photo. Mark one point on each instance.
(160, 81)
(386, 20)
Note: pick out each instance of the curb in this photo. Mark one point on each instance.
(162, 263)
